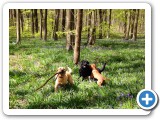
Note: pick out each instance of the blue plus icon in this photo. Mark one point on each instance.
(147, 99)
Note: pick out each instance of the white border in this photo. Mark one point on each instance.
(8, 6)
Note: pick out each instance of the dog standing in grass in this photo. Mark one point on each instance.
(64, 77)
(96, 74)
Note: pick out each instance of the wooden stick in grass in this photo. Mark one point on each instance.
(46, 82)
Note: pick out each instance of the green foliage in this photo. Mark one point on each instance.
(32, 63)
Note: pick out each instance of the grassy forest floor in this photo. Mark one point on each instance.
(34, 61)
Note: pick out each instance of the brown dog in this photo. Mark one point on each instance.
(64, 77)
(97, 75)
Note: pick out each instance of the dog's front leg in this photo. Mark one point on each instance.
(56, 87)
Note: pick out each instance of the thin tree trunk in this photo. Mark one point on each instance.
(21, 20)
(109, 23)
(100, 22)
(92, 29)
(41, 23)
(18, 26)
(45, 25)
(63, 19)
(32, 27)
(135, 25)
(36, 20)
(78, 36)
(69, 28)
(88, 26)
(125, 23)
(56, 25)
(128, 25)
(132, 21)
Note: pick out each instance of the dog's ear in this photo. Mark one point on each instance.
(66, 68)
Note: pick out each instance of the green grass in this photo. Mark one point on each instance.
(34, 61)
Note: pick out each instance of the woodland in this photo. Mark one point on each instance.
(41, 40)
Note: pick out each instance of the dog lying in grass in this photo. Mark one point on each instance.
(86, 70)
(64, 77)
(96, 74)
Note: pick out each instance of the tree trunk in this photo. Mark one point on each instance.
(132, 21)
(21, 20)
(36, 20)
(135, 25)
(88, 27)
(128, 25)
(78, 36)
(69, 29)
(109, 23)
(63, 19)
(56, 24)
(45, 25)
(92, 29)
(18, 26)
(100, 22)
(41, 23)
(32, 27)
(125, 23)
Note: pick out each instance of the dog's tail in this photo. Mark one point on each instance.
(69, 70)
(101, 70)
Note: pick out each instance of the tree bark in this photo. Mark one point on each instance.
(135, 25)
(36, 20)
(69, 29)
(132, 21)
(21, 20)
(100, 22)
(109, 23)
(125, 23)
(92, 29)
(128, 25)
(56, 24)
(41, 23)
(18, 41)
(88, 26)
(63, 19)
(78, 36)
(32, 27)
(45, 25)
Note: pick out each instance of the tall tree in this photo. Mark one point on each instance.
(45, 25)
(109, 23)
(56, 24)
(78, 36)
(132, 21)
(63, 19)
(125, 22)
(100, 23)
(69, 29)
(18, 41)
(92, 29)
(88, 25)
(36, 20)
(41, 23)
(135, 25)
(32, 22)
(128, 25)
(21, 20)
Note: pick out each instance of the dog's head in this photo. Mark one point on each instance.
(84, 64)
(93, 66)
(61, 71)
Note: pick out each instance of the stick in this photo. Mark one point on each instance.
(46, 82)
